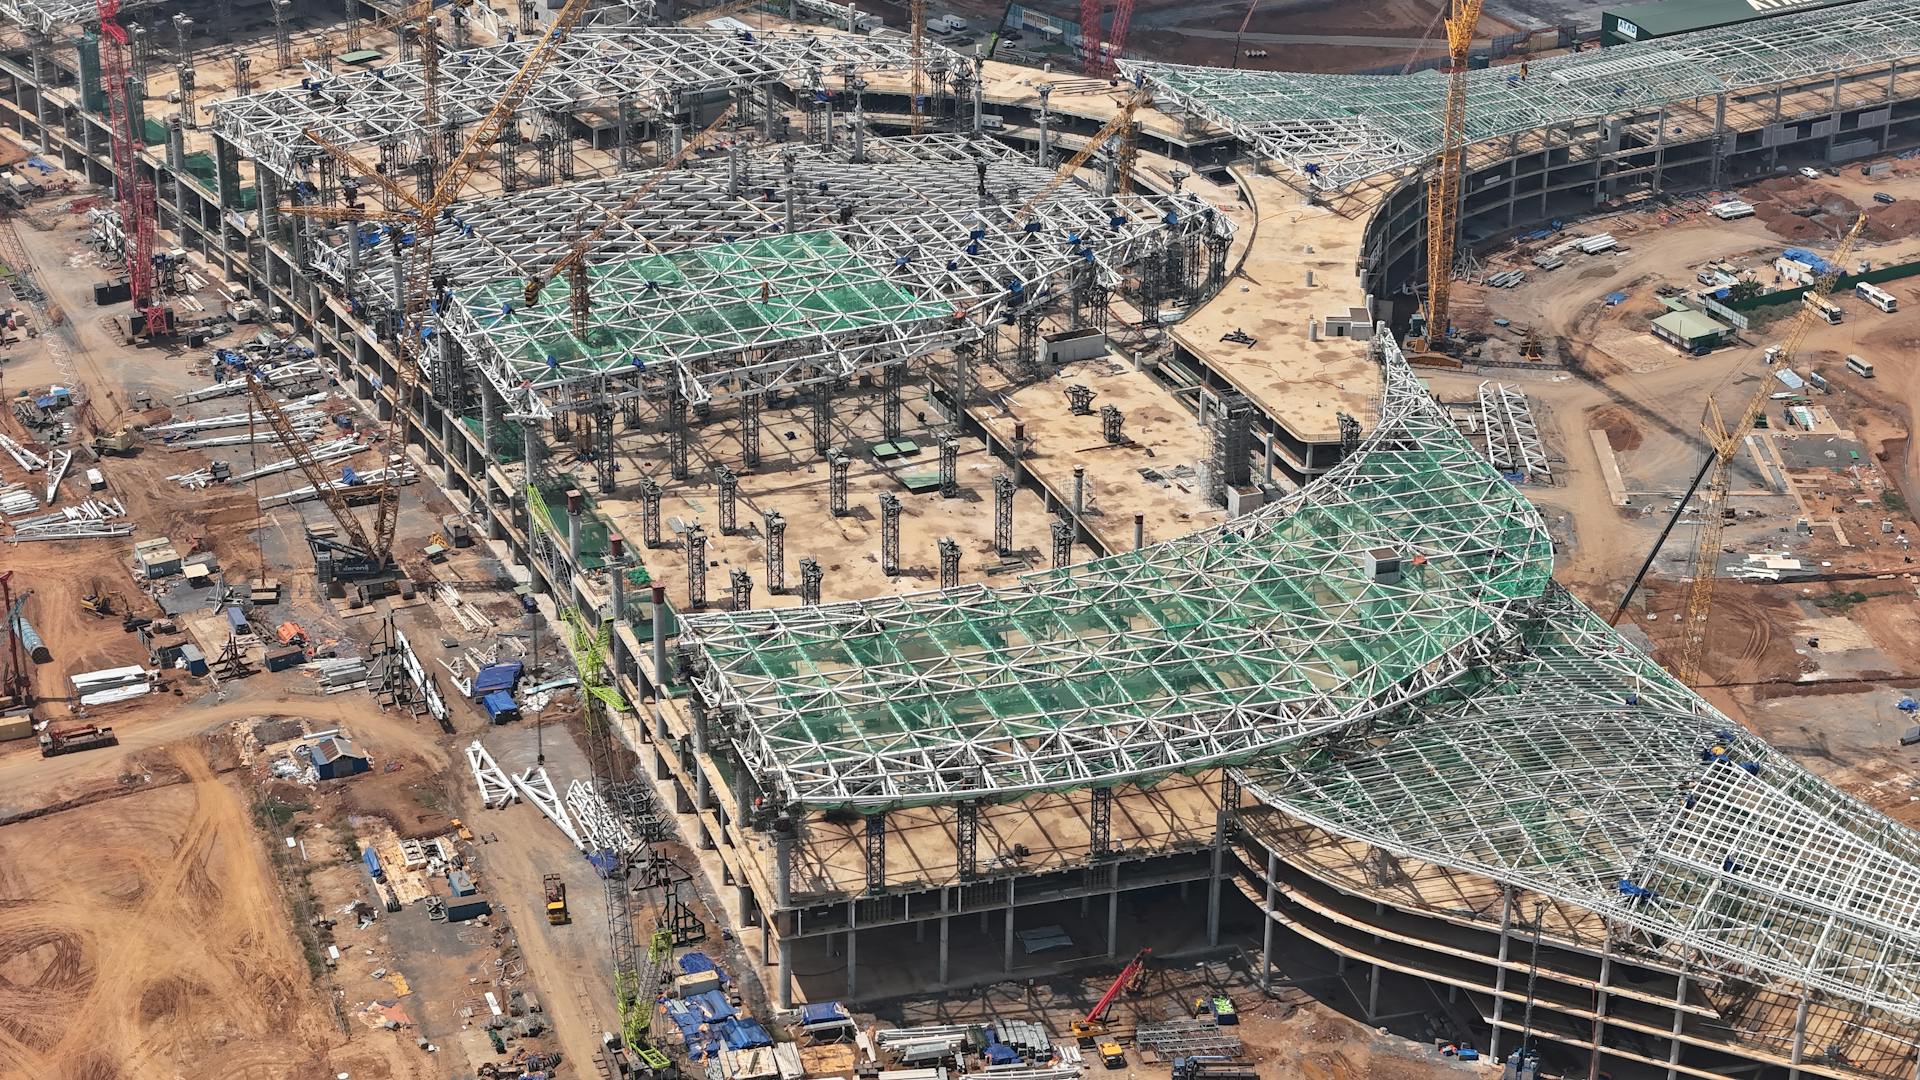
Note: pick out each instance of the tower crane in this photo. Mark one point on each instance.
(1724, 444)
(1119, 123)
(1443, 180)
(421, 216)
(573, 264)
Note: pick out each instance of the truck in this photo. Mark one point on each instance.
(557, 913)
(72, 740)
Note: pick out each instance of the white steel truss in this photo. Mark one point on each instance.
(1341, 129)
(703, 288)
(49, 15)
(648, 67)
(1399, 572)
(1583, 771)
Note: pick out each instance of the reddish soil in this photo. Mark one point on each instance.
(1622, 434)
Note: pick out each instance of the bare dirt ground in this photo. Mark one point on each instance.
(143, 935)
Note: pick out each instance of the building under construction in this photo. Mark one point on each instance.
(977, 554)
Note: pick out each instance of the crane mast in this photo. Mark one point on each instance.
(1725, 443)
(1443, 183)
(134, 198)
(421, 289)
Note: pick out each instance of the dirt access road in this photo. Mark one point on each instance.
(30, 781)
(144, 936)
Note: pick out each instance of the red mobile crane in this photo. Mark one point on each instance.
(1131, 979)
(133, 197)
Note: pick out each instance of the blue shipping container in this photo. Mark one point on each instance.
(373, 864)
(236, 619)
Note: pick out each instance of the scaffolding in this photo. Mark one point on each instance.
(1339, 130)
(1401, 571)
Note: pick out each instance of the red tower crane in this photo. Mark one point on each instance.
(133, 197)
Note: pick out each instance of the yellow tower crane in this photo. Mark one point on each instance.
(1120, 122)
(573, 264)
(421, 216)
(1443, 181)
(1725, 443)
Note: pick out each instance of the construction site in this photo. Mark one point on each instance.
(785, 540)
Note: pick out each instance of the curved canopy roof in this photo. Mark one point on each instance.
(1581, 770)
(1342, 129)
(1288, 623)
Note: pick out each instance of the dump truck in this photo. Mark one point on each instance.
(557, 914)
(75, 739)
(1113, 1054)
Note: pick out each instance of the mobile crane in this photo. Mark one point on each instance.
(1092, 1028)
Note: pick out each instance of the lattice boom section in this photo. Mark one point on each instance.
(1394, 575)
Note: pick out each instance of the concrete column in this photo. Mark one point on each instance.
(944, 920)
(1500, 970)
(1601, 1001)
(177, 164)
(853, 983)
(1719, 134)
(1799, 1038)
(1222, 822)
(1139, 531)
(768, 113)
(1673, 1049)
(979, 91)
(1113, 922)
(783, 870)
(660, 675)
(37, 53)
(783, 993)
(1079, 491)
(1008, 935)
(1266, 928)
(1373, 987)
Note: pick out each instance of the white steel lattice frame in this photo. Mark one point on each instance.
(49, 15)
(676, 285)
(1343, 129)
(1583, 771)
(592, 68)
(1206, 650)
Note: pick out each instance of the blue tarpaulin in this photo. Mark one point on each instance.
(693, 1029)
(694, 963)
(497, 677)
(1001, 1054)
(714, 1005)
(500, 707)
(825, 1012)
(1814, 259)
(744, 1033)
